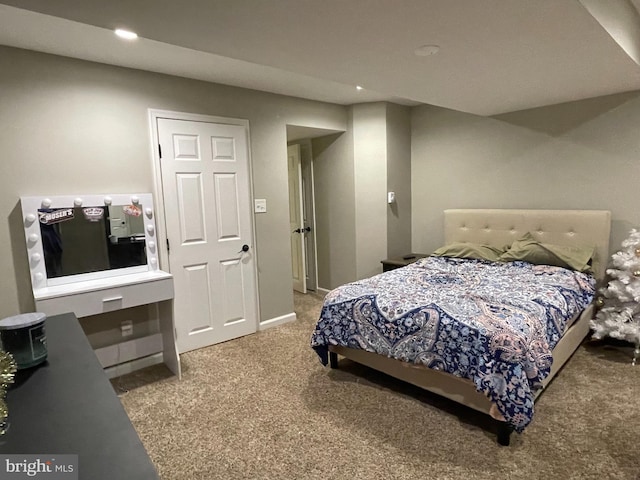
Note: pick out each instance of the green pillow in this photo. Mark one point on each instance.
(469, 250)
(528, 249)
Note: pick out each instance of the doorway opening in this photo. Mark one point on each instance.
(302, 220)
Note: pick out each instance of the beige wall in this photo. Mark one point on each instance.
(578, 155)
(370, 186)
(335, 208)
(357, 228)
(71, 126)
(399, 180)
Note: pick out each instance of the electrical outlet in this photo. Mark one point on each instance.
(126, 327)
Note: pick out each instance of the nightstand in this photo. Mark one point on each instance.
(403, 261)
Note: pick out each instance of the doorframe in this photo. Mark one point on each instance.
(311, 191)
(158, 193)
(313, 227)
(302, 244)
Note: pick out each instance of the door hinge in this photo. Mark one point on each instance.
(168, 248)
(160, 150)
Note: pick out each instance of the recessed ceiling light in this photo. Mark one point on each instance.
(126, 34)
(426, 50)
(358, 87)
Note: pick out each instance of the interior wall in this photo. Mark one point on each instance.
(370, 186)
(399, 180)
(577, 155)
(69, 126)
(335, 208)
(352, 181)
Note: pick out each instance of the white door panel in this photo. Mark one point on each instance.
(227, 206)
(205, 179)
(191, 221)
(232, 289)
(198, 305)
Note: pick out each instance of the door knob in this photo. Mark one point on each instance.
(245, 248)
(297, 230)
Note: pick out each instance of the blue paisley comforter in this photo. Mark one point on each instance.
(492, 323)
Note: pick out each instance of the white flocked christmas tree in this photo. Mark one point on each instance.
(619, 313)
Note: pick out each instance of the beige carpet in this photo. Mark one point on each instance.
(263, 407)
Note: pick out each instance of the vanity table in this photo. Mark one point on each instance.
(93, 254)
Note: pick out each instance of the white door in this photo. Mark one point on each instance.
(206, 191)
(296, 220)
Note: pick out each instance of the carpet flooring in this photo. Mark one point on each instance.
(263, 407)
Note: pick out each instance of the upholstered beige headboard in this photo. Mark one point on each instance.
(498, 228)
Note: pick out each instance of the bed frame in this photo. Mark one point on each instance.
(499, 228)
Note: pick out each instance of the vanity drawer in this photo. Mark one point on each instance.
(108, 299)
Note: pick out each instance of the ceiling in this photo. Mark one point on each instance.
(495, 56)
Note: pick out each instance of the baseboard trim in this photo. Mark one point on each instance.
(274, 322)
(323, 291)
(133, 365)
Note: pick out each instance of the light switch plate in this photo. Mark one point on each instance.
(260, 205)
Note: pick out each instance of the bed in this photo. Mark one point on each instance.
(385, 322)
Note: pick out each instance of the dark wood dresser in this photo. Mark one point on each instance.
(67, 406)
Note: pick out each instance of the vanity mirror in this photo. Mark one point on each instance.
(74, 239)
(93, 254)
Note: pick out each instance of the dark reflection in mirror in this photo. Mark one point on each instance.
(92, 239)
